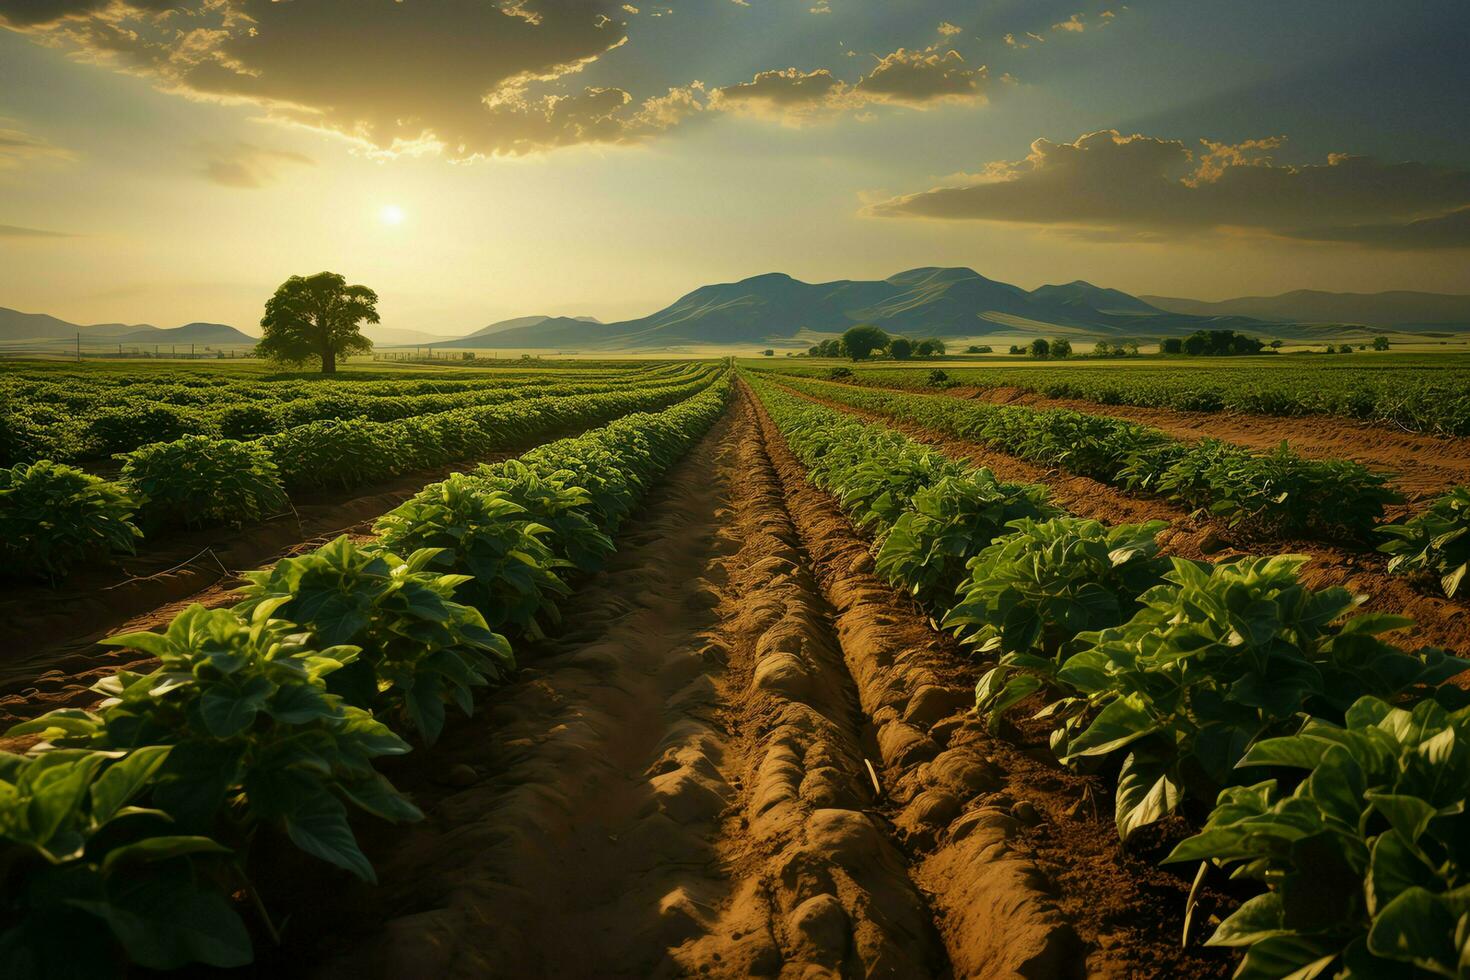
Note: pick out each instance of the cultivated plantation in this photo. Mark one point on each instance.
(713, 668)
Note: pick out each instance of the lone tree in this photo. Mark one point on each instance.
(862, 340)
(901, 348)
(317, 316)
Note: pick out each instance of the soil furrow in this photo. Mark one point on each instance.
(1422, 465)
(1026, 878)
(680, 775)
(1437, 622)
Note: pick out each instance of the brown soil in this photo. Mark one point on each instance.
(680, 785)
(1438, 622)
(1423, 466)
(1010, 845)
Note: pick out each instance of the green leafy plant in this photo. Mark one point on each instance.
(511, 575)
(560, 506)
(1436, 541)
(419, 649)
(1366, 862)
(87, 877)
(256, 736)
(1217, 659)
(114, 430)
(203, 480)
(53, 517)
(947, 522)
(1037, 588)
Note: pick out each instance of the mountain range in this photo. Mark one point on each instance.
(19, 327)
(927, 302)
(937, 302)
(1400, 308)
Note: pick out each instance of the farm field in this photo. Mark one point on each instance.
(729, 671)
(1428, 393)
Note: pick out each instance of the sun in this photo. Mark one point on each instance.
(391, 214)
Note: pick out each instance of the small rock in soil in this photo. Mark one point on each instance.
(1026, 812)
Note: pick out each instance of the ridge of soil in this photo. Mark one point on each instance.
(988, 821)
(1438, 622)
(1422, 465)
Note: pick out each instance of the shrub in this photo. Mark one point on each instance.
(1436, 541)
(92, 878)
(202, 480)
(115, 430)
(511, 573)
(1364, 861)
(54, 516)
(1035, 589)
(419, 649)
(947, 521)
(331, 453)
(1217, 659)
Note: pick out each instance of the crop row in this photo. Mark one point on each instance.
(54, 516)
(1189, 680)
(123, 833)
(63, 424)
(1273, 494)
(1429, 394)
(1277, 493)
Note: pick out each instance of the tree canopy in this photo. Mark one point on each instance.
(317, 317)
(862, 340)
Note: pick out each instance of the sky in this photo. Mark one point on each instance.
(167, 161)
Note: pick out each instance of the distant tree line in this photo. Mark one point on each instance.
(865, 340)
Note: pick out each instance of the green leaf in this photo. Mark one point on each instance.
(1122, 722)
(1287, 958)
(152, 849)
(319, 827)
(1416, 927)
(124, 779)
(1257, 919)
(1147, 792)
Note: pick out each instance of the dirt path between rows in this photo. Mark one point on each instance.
(1423, 466)
(1437, 622)
(742, 760)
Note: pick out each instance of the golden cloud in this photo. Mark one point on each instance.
(1114, 186)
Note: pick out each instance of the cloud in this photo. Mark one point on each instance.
(19, 148)
(16, 231)
(1114, 187)
(246, 165)
(1450, 230)
(468, 77)
(913, 79)
(920, 78)
(1074, 24)
(946, 29)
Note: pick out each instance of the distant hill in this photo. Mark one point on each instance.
(930, 301)
(189, 333)
(521, 321)
(1400, 308)
(18, 327)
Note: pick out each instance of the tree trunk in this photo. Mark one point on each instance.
(329, 361)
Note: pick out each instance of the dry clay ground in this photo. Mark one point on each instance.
(744, 756)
